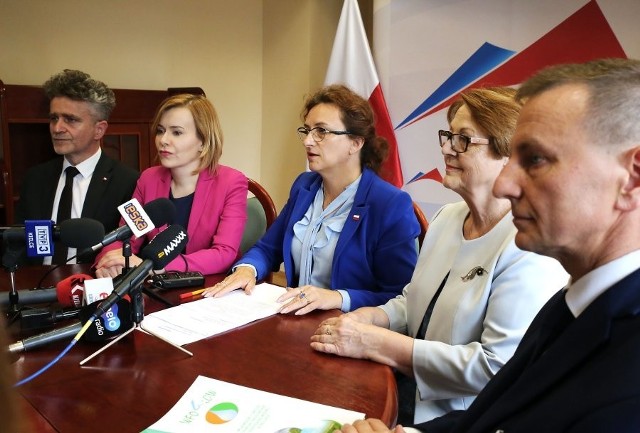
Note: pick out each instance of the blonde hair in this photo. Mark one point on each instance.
(207, 124)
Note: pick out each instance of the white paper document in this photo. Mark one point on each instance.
(211, 405)
(206, 317)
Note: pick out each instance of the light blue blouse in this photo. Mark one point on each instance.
(315, 238)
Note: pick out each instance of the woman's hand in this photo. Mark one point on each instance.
(305, 299)
(369, 426)
(242, 278)
(111, 264)
(345, 335)
(359, 334)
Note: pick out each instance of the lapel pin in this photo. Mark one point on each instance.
(356, 217)
(104, 179)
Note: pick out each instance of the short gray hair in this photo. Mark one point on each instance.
(613, 112)
(79, 86)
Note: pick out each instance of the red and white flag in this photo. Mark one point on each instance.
(352, 64)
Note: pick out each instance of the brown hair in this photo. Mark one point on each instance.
(358, 119)
(207, 125)
(495, 109)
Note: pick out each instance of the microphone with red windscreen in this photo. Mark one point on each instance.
(68, 293)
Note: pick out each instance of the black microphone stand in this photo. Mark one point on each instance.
(137, 312)
(126, 253)
(13, 311)
(10, 259)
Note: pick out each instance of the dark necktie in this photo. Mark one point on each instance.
(407, 385)
(64, 213)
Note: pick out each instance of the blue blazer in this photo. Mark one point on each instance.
(376, 251)
(587, 381)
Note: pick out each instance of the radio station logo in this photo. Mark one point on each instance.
(175, 242)
(110, 320)
(134, 215)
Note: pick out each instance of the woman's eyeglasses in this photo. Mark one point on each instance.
(318, 133)
(459, 142)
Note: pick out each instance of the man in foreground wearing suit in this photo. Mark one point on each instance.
(78, 112)
(574, 184)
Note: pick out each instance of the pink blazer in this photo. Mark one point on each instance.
(216, 223)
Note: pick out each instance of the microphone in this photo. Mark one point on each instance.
(160, 211)
(81, 232)
(45, 338)
(38, 318)
(38, 236)
(68, 293)
(162, 249)
(115, 321)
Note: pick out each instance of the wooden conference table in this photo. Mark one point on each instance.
(136, 381)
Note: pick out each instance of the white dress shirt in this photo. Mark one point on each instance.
(80, 188)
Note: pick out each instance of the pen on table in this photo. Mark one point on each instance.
(190, 294)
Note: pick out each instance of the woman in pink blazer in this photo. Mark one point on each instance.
(210, 199)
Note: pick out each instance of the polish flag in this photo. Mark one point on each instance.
(351, 64)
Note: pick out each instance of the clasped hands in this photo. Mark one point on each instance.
(112, 263)
(300, 300)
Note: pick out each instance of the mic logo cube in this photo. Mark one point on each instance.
(39, 236)
(136, 218)
(97, 289)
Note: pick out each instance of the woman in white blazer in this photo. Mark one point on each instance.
(473, 292)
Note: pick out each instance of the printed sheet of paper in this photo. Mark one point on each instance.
(206, 317)
(211, 405)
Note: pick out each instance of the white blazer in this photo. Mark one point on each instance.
(479, 318)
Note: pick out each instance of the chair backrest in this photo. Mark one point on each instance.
(424, 224)
(261, 212)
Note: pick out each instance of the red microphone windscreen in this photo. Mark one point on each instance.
(70, 291)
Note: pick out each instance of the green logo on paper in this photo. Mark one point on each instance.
(222, 413)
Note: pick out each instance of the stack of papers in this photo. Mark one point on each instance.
(211, 405)
(206, 317)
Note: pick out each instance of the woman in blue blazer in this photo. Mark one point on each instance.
(346, 237)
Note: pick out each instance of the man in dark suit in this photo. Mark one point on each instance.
(573, 180)
(78, 113)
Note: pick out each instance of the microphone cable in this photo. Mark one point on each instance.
(46, 274)
(51, 269)
(60, 355)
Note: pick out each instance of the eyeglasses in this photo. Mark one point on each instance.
(318, 133)
(459, 142)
